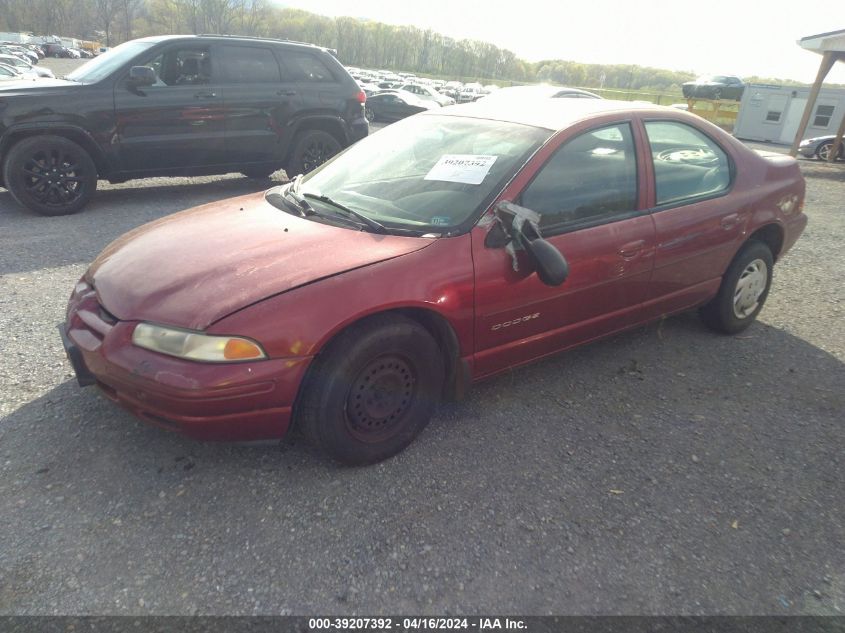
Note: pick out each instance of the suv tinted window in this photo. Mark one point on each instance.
(247, 64)
(178, 67)
(593, 177)
(306, 67)
(687, 163)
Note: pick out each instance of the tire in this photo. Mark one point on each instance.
(743, 292)
(258, 173)
(50, 175)
(311, 149)
(372, 391)
(824, 149)
(368, 112)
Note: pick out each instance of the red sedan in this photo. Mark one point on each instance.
(444, 249)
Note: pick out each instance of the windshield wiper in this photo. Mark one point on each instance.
(374, 226)
(302, 205)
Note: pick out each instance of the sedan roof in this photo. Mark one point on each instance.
(552, 114)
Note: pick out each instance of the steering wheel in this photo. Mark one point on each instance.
(698, 156)
(386, 206)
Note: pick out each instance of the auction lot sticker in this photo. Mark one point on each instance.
(469, 169)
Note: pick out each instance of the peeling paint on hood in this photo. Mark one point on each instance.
(193, 268)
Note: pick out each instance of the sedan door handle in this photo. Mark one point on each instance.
(286, 93)
(729, 221)
(631, 249)
(205, 95)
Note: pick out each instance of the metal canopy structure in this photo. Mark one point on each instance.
(831, 46)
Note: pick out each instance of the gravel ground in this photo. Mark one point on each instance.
(666, 470)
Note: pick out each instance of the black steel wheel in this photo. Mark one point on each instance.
(50, 175)
(311, 149)
(379, 397)
(373, 390)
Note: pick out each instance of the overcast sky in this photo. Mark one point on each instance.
(743, 37)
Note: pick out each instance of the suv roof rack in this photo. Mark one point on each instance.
(260, 39)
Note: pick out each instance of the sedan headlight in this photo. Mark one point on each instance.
(195, 345)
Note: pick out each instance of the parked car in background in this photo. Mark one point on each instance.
(714, 87)
(288, 105)
(464, 242)
(369, 89)
(51, 49)
(10, 73)
(470, 92)
(24, 53)
(25, 67)
(820, 147)
(392, 106)
(427, 93)
(518, 93)
(451, 89)
(32, 51)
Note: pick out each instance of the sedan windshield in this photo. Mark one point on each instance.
(431, 172)
(103, 65)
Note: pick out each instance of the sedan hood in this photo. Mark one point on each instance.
(196, 267)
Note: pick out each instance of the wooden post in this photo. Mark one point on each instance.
(828, 59)
(837, 142)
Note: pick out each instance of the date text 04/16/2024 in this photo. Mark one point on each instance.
(414, 624)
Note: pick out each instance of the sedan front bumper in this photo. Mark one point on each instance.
(209, 401)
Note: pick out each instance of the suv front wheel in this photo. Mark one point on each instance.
(50, 175)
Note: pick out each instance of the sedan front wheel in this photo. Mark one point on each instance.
(373, 390)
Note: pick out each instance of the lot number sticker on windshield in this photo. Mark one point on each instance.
(469, 169)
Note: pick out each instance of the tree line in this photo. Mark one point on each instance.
(364, 43)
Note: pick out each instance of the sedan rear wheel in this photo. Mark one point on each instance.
(743, 292)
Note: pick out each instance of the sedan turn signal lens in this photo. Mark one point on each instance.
(241, 349)
(195, 345)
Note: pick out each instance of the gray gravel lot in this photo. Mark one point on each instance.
(665, 470)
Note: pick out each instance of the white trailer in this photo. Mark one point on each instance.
(773, 113)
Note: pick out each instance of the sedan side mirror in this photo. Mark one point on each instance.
(552, 267)
(142, 76)
(518, 227)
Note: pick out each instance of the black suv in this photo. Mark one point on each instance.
(176, 106)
